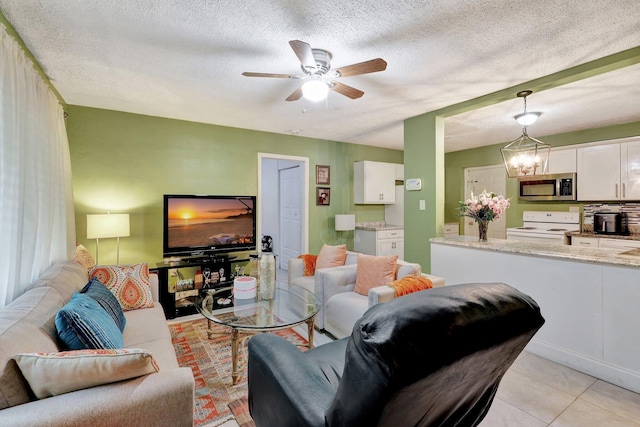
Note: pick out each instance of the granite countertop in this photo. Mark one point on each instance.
(377, 226)
(381, 228)
(620, 257)
(591, 234)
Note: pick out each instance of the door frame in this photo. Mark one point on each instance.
(304, 244)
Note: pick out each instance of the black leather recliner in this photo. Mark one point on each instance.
(432, 358)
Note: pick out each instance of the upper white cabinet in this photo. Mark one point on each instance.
(562, 160)
(609, 172)
(374, 183)
(599, 172)
(630, 171)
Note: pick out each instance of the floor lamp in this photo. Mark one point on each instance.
(106, 226)
(345, 222)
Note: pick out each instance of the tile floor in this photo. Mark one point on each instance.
(537, 392)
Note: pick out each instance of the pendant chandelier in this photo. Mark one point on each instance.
(526, 156)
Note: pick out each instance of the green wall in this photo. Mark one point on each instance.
(456, 162)
(124, 162)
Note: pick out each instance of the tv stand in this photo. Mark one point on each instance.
(208, 258)
(172, 298)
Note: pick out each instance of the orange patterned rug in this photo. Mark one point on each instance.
(210, 361)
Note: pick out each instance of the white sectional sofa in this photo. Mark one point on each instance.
(27, 326)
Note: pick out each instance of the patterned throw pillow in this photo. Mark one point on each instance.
(84, 257)
(374, 271)
(107, 300)
(129, 283)
(51, 374)
(83, 324)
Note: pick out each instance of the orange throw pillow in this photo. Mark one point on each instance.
(374, 271)
(410, 284)
(331, 256)
(309, 264)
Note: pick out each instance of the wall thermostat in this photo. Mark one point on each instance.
(413, 184)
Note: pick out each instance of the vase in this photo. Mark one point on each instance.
(483, 226)
(267, 286)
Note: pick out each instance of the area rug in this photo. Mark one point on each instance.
(210, 361)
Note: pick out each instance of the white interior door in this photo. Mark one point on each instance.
(290, 223)
(493, 179)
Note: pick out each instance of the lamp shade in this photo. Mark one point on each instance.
(101, 226)
(345, 222)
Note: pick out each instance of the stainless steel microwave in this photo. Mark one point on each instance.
(546, 188)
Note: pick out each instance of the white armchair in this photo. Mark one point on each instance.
(343, 309)
(340, 306)
(296, 276)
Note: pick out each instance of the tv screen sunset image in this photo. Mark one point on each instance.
(199, 222)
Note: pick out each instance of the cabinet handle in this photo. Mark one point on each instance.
(624, 190)
(616, 190)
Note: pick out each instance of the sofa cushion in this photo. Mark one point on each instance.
(65, 277)
(343, 311)
(83, 324)
(129, 283)
(331, 256)
(26, 325)
(107, 301)
(51, 374)
(374, 271)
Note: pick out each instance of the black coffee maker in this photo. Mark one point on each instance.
(267, 244)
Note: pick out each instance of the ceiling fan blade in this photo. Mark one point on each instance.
(279, 76)
(348, 91)
(371, 66)
(297, 94)
(304, 53)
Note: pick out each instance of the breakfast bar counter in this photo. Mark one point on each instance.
(589, 298)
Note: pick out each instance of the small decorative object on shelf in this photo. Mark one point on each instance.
(484, 208)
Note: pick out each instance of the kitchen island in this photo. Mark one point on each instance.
(590, 298)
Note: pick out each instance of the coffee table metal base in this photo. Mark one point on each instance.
(235, 340)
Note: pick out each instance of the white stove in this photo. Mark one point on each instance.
(545, 227)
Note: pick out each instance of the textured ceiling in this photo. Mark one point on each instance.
(184, 59)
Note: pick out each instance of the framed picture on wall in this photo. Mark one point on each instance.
(323, 196)
(322, 175)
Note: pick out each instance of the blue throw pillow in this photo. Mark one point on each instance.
(99, 292)
(83, 324)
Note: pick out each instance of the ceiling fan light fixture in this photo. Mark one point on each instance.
(315, 90)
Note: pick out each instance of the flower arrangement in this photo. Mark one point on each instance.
(484, 207)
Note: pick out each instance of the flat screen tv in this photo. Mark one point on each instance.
(206, 225)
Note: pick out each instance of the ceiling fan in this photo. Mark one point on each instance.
(316, 65)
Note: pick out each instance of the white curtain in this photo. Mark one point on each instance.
(36, 204)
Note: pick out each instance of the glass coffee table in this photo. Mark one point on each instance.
(291, 306)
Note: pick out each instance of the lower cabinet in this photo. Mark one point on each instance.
(380, 242)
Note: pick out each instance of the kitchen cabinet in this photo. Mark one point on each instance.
(451, 229)
(374, 183)
(585, 242)
(562, 160)
(380, 242)
(599, 172)
(609, 172)
(618, 243)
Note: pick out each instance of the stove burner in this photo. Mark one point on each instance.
(557, 229)
(526, 228)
